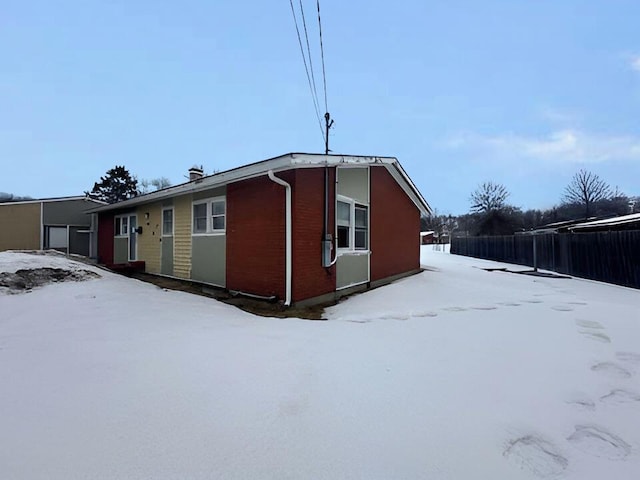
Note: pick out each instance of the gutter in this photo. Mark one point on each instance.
(288, 233)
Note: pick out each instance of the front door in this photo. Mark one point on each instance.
(133, 238)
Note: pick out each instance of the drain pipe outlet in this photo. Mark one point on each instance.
(288, 253)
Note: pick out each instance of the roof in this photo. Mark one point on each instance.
(608, 222)
(277, 164)
(55, 199)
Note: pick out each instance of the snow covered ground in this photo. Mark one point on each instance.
(456, 373)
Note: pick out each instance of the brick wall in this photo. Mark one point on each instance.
(310, 278)
(395, 227)
(256, 236)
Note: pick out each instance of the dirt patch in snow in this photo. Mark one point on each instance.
(27, 279)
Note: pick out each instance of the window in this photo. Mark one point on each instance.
(200, 218)
(209, 216)
(343, 217)
(361, 230)
(352, 225)
(217, 215)
(122, 226)
(167, 222)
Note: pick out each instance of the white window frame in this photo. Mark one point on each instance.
(173, 221)
(209, 230)
(352, 225)
(119, 222)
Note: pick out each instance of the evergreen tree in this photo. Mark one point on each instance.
(115, 186)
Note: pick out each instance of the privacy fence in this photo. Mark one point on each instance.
(612, 257)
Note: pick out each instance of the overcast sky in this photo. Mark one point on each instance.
(519, 92)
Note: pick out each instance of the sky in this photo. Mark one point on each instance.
(517, 92)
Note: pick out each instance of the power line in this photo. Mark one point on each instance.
(324, 76)
(313, 77)
(315, 102)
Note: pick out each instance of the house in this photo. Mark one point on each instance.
(49, 223)
(624, 222)
(301, 228)
(427, 238)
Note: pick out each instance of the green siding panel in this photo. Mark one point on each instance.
(166, 262)
(214, 192)
(71, 212)
(209, 259)
(354, 183)
(351, 270)
(121, 250)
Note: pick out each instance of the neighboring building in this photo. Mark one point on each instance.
(271, 229)
(49, 223)
(624, 222)
(427, 238)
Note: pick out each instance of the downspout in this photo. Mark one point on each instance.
(288, 233)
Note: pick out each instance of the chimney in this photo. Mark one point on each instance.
(195, 173)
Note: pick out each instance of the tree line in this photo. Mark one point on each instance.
(586, 196)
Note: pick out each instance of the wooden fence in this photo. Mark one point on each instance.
(612, 257)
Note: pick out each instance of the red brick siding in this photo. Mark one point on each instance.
(256, 236)
(395, 227)
(105, 238)
(310, 278)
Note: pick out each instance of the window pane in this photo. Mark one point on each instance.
(343, 237)
(361, 238)
(200, 225)
(361, 217)
(125, 225)
(218, 222)
(200, 218)
(217, 208)
(344, 213)
(118, 227)
(167, 222)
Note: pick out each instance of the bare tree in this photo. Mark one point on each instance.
(146, 186)
(489, 197)
(585, 189)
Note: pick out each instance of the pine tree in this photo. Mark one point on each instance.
(115, 186)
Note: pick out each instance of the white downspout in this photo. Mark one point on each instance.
(288, 233)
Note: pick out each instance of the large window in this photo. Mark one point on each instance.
(352, 224)
(209, 216)
(167, 222)
(122, 226)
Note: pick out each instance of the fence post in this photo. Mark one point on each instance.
(535, 253)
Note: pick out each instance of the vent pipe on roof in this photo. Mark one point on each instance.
(195, 173)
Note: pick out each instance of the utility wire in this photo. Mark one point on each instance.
(313, 77)
(324, 76)
(304, 59)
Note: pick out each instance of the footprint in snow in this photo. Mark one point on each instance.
(424, 314)
(484, 307)
(597, 336)
(509, 304)
(562, 308)
(582, 402)
(588, 323)
(620, 397)
(395, 316)
(455, 309)
(532, 300)
(611, 369)
(629, 357)
(359, 320)
(537, 455)
(599, 442)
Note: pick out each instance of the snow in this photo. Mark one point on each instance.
(634, 217)
(453, 373)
